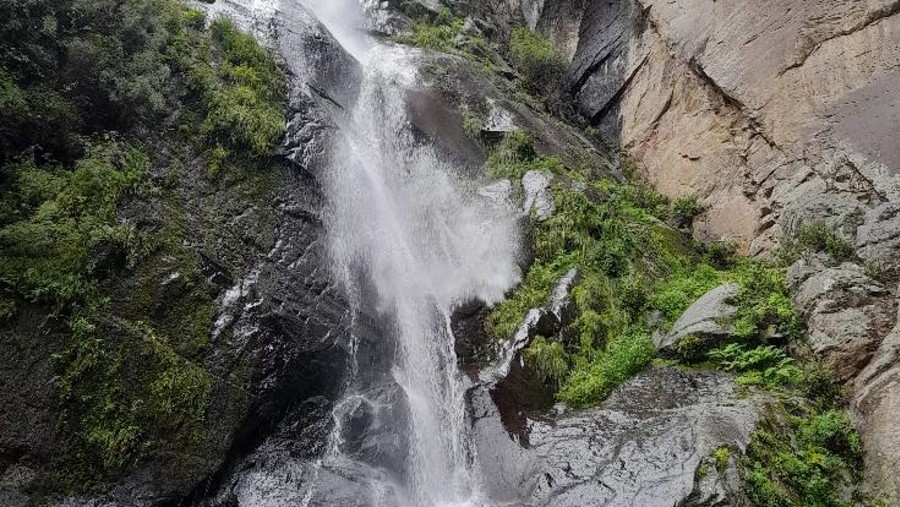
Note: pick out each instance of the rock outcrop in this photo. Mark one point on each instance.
(708, 320)
(278, 345)
(773, 114)
(644, 446)
(776, 115)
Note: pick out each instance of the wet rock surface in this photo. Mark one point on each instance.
(278, 350)
(643, 446)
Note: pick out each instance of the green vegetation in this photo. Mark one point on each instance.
(599, 371)
(97, 99)
(721, 456)
(548, 360)
(540, 63)
(764, 366)
(804, 460)
(472, 123)
(631, 265)
(611, 233)
(66, 217)
(685, 209)
(815, 238)
(515, 155)
(446, 32)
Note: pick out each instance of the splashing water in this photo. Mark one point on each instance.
(399, 214)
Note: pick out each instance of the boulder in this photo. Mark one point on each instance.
(536, 185)
(708, 319)
(847, 313)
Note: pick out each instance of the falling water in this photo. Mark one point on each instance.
(403, 224)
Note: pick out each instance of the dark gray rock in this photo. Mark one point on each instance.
(643, 446)
(600, 69)
(457, 81)
(876, 404)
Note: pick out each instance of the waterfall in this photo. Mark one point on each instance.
(406, 229)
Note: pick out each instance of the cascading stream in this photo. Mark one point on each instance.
(402, 223)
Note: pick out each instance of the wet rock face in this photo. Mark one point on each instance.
(643, 446)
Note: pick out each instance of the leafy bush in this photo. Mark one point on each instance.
(515, 155)
(505, 318)
(446, 32)
(675, 294)
(815, 238)
(594, 378)
(123, 395)
(52, 256)
(540, 63)
(764, 306)
(805, 462)
(686, 208)
(548, 360)
(764, 366)
(721, 457)
(443, 34)
(722, 255)
(246, 111)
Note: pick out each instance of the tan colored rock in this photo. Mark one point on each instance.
(742, 103)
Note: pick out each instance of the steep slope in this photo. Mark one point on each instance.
(777, 115)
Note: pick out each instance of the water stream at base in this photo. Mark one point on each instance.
(410, 241)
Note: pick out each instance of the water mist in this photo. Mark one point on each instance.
(403, 227)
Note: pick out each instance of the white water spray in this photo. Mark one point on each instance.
(400, 214)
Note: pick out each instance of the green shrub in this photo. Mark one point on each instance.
(447, 33)
(123, 395)
(675, 294)
(764, 307)
(721, 457)
(51, 256)
(806, 461)
(548, 360)
(539, 62)
(504, 319)
(815, 238)
(722, 255)
(684, 210)
(764, 366)
(594, 378)
(691, 349)
(515, 155)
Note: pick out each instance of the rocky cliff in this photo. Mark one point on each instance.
(777, 115)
